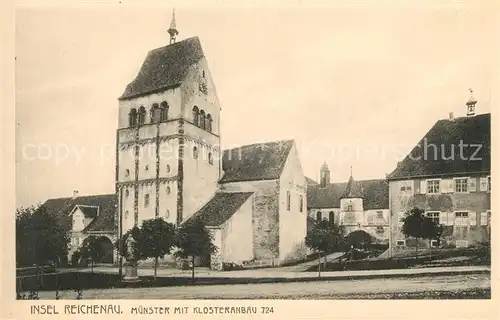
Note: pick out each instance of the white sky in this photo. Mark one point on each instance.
(335, 79)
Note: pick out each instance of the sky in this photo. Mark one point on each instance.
(355, 84)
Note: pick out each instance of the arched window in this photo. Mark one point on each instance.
(146, 200)
(127, 172)
(209, 122)
(288, 204)
(142, 116)
(195, 115)
(195, 152)
(318, 216)
(132, 118)
(168, 190)
(127, 193)
(202, 119)
(301, 203)
(155, 113)
(210, 158)
(168, 168)
(163, 111)
(331, 216)
(167, 214)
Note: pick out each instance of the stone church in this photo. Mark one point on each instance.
(170, 165)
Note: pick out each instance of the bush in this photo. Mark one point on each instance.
(230, 266)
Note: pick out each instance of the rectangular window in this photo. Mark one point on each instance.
(434, 216)
(288, 200)
(400, 243)
(484, 218)
(77, 241)
(462, 214)
(433, 186)
(484, 184)
(434, 243)
(461, 184)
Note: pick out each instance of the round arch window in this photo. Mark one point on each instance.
(127, 172)
(168, 168)
(167, 214)
(168, 190)
(127, 193)
(146, 167)
(126, 214)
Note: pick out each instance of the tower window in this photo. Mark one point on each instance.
(127, 193)
(203, 73)
(195, 116)
(202, 119)
(132, 118)
(210, 158)
(142, 116)
(155, 116)
(167, 214)
(146, 167)
(209, 123)
(301, 203)
(126, 214)
(195, 153)
(168, 168)
(163, 111)
(318, 216)
(288, 205)
(146, 201)
(168, 190)
(127, 172)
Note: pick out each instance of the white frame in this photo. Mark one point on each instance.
(401, 245)
(438, 215)
(427, 186)
(455, 184)
(434, 244)
(461, 211)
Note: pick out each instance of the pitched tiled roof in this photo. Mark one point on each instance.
(220, 208)
(62, 207)
(260, 161)
(165, 67)
(375, 194)
(352, 190)
(425, 160)
(310, 181)
(89, 212)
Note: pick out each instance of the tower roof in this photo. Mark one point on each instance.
(165, 68)
(324, 167)
(352, 190)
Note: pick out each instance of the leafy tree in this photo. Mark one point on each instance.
(157, 240)
(324, 237)
(419, 226)
(40, 237)
(193, 239)
(358, 239)
(92, 250)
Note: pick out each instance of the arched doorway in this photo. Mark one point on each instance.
(107, 250)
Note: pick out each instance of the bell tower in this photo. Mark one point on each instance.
(324, 176)
(168, 139)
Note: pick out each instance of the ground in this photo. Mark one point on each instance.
(427, 287)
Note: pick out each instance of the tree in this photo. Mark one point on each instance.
(324, 237)
(40, 237)
(91, 249)
(419, 226)
(157, 240)
(358, 239)
(193, 239)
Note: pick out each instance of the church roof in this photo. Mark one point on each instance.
(310, 181)
(105, 221)
(375, 194)
(260, 161)
(447, 135)
(89, 211)
(165, 67)
(352, 190)
(220, 208)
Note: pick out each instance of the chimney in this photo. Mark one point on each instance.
(451, 117)
(75, 194)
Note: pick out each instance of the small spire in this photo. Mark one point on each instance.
(351, 171)
(471, 104)
(173, 28)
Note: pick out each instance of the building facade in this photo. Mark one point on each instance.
(448, 176)
(356, 205)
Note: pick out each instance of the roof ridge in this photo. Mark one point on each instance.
(260, 143)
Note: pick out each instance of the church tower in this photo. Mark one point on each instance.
(167, 143)
(324, 176)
